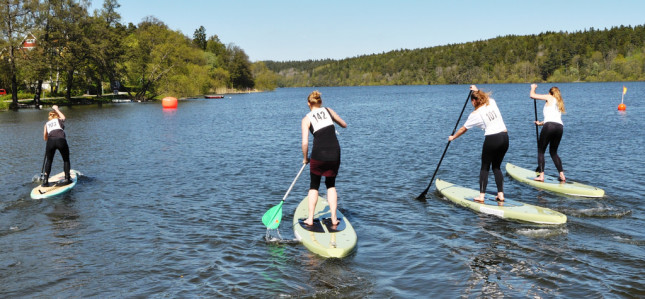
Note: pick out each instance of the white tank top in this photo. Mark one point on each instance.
(552, 114)
(488, 118)
(319, 118)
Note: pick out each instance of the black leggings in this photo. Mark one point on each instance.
(330, 182)
(550, 136)
(59, 144)
(493, 152)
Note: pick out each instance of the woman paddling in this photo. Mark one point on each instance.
(552, 129)
(54, 134)
(325, 153)
(487, 117)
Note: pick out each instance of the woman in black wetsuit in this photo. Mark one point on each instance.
(325, 154)
(54, 134)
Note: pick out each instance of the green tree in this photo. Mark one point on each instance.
(107, 48)
(43, 56)
(71, 40)
(265, 79)
(158, 59)
(199, 38)
(14, 25)
(216, 47)
(240, 68)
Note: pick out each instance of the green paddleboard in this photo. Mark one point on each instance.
(511, 209)
(323, 238)
(552, 184)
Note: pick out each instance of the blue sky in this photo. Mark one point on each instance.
(301, 30)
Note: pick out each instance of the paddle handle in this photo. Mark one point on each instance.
(294, 181)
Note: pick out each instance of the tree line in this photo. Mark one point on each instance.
(77, 52)
(615, 54)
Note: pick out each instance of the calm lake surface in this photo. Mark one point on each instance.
(170, 202)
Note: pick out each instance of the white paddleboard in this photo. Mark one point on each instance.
(56, 186)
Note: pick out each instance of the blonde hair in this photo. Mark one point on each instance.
(53, 114)
(480, 97)
(314, 98)
(555, 92)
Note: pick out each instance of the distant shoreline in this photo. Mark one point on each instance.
(87, 99)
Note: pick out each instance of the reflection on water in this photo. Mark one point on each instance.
(65, 229)
(171, 201)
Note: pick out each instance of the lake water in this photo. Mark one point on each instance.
(170, 202)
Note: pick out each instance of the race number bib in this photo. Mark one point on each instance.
(320, 118)
(489, 116)
(53, 124)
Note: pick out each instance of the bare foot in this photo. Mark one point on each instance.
(539, 178)
(562, 178)
(478, 200)
(309, 222)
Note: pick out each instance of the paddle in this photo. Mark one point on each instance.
(273, 216)
(423, 194)
(537, 134)
(41, 176)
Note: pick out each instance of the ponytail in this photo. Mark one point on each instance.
(555, 92)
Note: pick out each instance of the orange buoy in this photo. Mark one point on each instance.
(169, 102)
(622, 107)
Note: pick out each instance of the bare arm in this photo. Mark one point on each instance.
(459, 132)
(533, 95)
(305, 139)
(61, 116)
(45, 132)
(337, 118)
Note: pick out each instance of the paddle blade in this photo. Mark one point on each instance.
(37, 178)
(273, 216)
(422, 196)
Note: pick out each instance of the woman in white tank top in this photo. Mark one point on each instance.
(552, 129)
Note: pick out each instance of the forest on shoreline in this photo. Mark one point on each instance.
(591, 55)
(58, 49)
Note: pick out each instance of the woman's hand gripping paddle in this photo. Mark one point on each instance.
(423, 194)
(273, 216)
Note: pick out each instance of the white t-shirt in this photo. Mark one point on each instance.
(488, 118)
